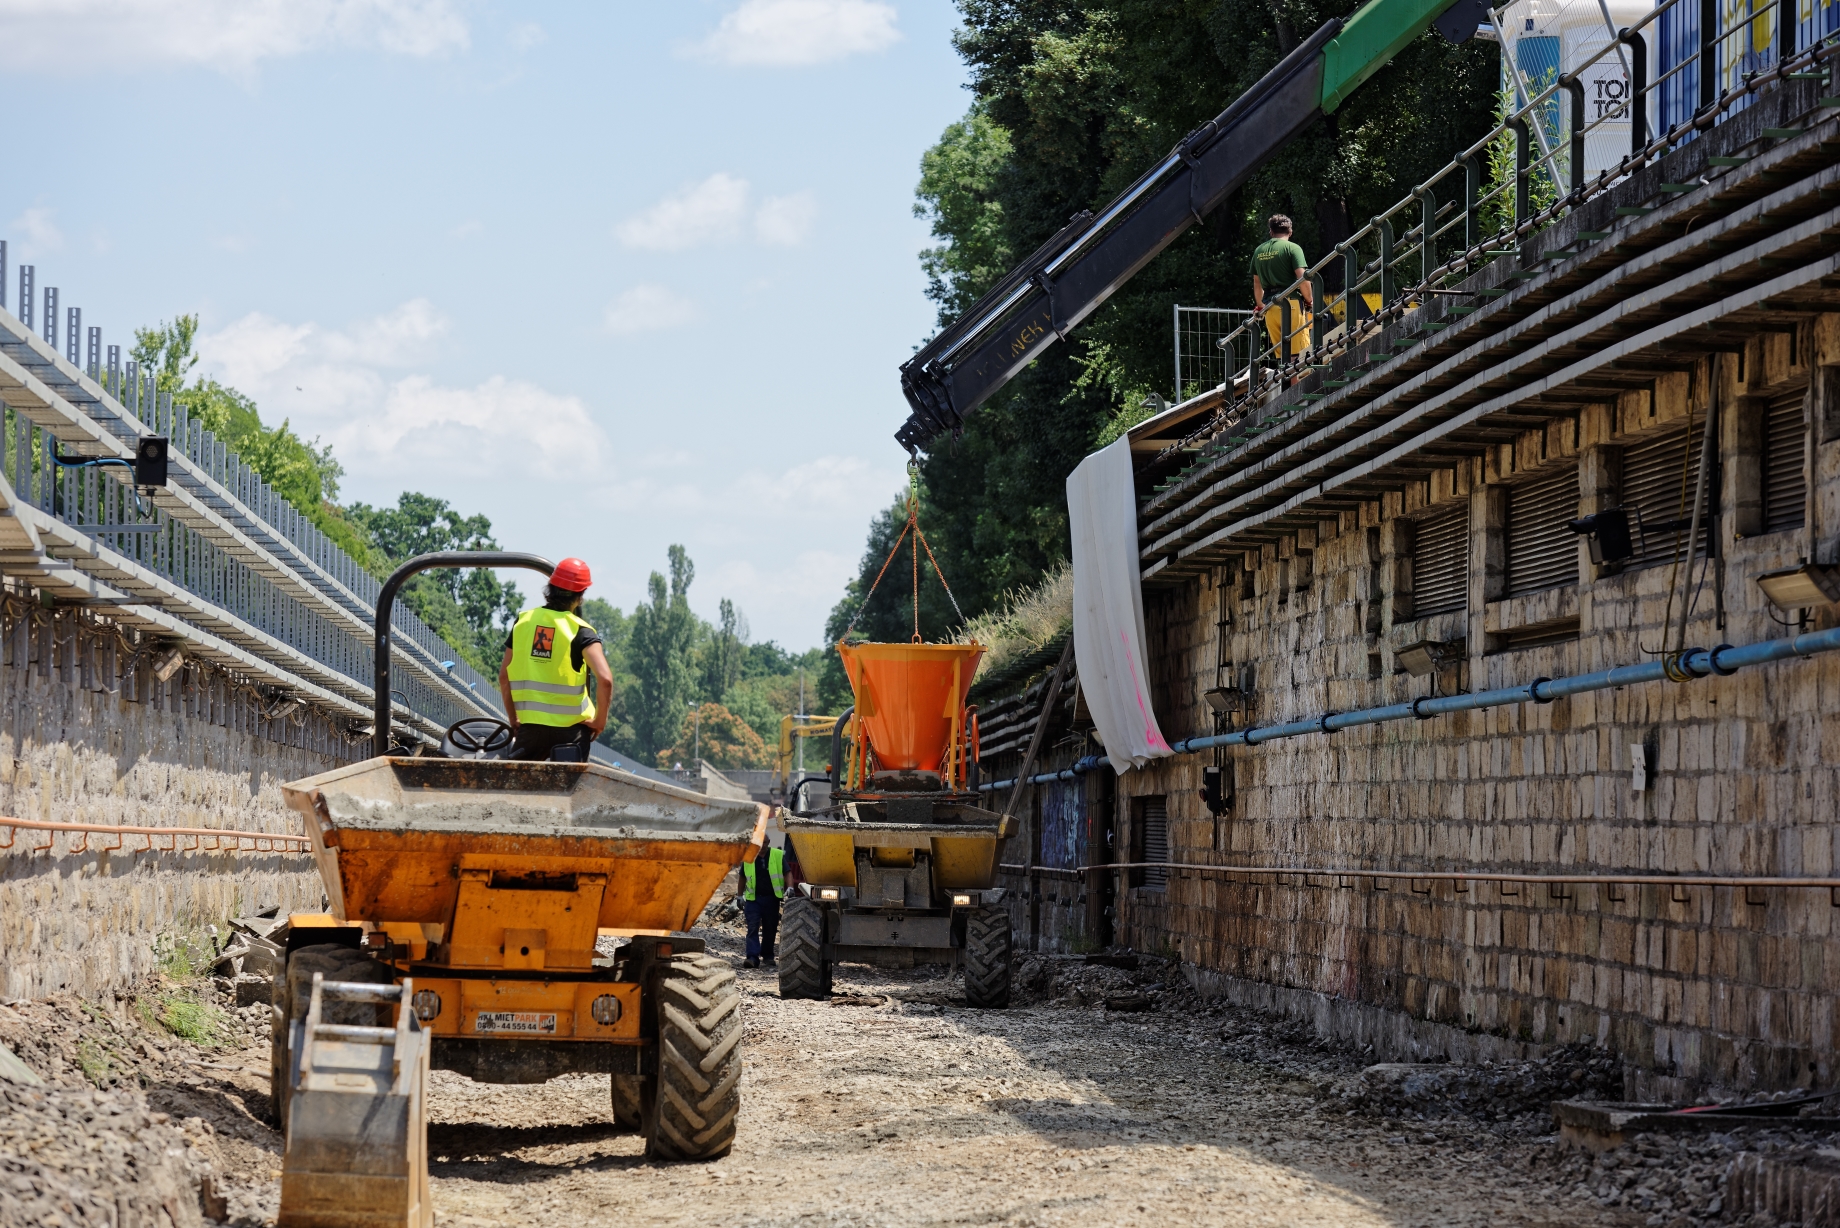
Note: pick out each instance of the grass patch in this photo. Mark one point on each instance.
(93, 1061)
(189, 1019)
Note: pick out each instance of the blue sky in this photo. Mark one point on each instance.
(615, 274)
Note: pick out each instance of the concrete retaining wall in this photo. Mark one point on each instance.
(87, 735)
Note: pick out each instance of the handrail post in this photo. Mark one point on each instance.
(1575, 153)
(1427, 246)
(1388, 290)
(1638, 91)
(1351, 288)
(1708, 53)
(1788, 16)
(1472, 201)
(1523, 171)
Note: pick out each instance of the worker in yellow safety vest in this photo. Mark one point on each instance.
(544, 675)
(761, 903)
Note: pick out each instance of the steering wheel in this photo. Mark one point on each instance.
(477, 737)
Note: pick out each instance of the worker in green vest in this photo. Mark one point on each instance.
(763, 886)
(544, 675)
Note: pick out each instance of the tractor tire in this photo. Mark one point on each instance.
(987, 958)
(803, 970)
(698, 1092)
(293, 993)
(629, 1095)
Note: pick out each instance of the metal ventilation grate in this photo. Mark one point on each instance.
(1440, 562)
(1658, 478)
(1542, 550)
(1153, 840)
(1785, 446)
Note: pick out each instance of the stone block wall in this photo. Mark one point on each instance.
(88, 735)
(1697, 987)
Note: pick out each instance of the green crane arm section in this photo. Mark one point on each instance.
(1378, 31)
(1041, 300)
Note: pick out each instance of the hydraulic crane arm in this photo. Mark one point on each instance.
(1067, 278)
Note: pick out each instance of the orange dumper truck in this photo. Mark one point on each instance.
(512, 921)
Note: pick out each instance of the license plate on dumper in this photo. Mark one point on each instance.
(515, 1021)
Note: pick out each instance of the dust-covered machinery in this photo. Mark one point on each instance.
(467, 898)
(902, 865)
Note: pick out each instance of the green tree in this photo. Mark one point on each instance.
(304, 473)
(471, 609)
(660, 645)
(723, 650)
(717, 735)
(1074, 99)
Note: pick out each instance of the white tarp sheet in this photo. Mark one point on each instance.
(1108, 608)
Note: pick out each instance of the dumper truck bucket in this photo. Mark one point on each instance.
(910, 699)
(357, 1136)
(394, 838)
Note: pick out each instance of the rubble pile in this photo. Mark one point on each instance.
(122, 1113)
(1515, 1093)
(1117, 980)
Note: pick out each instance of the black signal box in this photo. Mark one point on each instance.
(150, 461)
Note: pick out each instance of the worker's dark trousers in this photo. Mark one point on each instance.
(763, 926)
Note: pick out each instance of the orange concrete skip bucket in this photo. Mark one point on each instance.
(910, 699)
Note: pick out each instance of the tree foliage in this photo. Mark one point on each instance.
(473, 610)
(659, 647)
(1073, 100)
(711, 731)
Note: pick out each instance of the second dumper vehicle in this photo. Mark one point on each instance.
(901, 865)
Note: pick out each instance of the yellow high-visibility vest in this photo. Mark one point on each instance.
(546, 688)
(776, 874)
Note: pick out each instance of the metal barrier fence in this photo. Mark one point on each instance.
(1507, 187)
(263, 576)
(1202, 362)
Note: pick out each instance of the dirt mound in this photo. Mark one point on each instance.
(128, 1112)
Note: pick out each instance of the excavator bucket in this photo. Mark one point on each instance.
(357, 1136)
(911, 698)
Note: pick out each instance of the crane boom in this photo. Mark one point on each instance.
(1071, 275)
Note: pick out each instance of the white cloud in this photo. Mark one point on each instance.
(231, 36)
(37, 234)
(348, 387)
(710, 211)
(785, 221)
(794, 33)
(528, 35)
(720, 209)
(648, 308)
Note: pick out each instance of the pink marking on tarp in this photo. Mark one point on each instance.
(1152, 735)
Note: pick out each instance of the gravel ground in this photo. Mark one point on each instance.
(892, 1104)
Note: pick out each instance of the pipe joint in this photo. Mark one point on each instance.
(1420, 713)
(1533, 691)
(1674, 665)
(1712, 662)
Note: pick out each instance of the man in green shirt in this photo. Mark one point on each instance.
(1276, 263)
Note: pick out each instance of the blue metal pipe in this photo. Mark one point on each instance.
(1685, 666)
(1080, 768)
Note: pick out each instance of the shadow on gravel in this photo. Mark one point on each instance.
(457, 1149)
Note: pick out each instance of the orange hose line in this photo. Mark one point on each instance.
(196, 836)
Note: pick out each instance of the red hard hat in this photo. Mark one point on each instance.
(571, 575)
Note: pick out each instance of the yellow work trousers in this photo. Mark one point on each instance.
(1300, 325)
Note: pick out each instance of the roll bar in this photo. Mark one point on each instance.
(386, 602)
